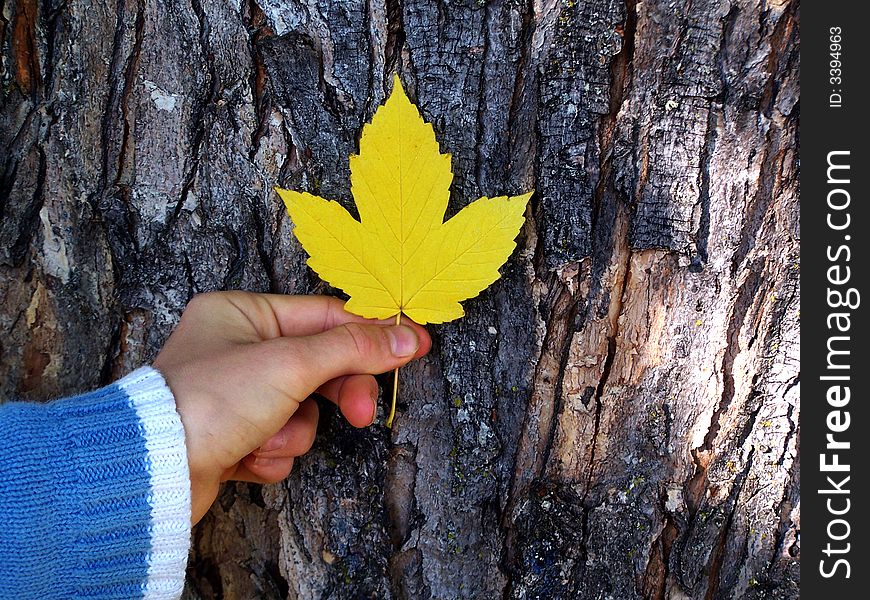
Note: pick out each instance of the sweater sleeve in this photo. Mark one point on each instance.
(95, 494)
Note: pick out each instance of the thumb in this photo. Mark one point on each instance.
(349, 349)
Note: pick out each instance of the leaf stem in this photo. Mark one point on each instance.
(395, 384)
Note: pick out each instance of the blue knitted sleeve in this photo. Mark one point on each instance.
(95, 494)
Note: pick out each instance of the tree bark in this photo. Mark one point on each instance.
(616, 417)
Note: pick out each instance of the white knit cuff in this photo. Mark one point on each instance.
(170, 481)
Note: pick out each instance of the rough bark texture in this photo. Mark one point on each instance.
(617, 417)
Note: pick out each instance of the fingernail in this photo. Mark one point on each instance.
(273, 443)
(403, 340)
(264, 461)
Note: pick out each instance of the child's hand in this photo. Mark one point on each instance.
(242, 365)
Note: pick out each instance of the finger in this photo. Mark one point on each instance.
(331, 388)
(310, 315)
(300, 365)
(296, 437)
(267, 316)
(356, 396)
(422, 334)
(263, 470)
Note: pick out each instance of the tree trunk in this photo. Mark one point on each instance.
(616, 417)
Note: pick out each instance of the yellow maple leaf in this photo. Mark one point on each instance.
(401, 257)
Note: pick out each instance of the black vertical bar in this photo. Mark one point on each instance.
(835, 356)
